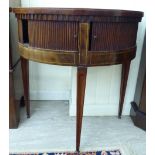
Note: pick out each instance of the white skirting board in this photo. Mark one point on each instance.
(100, 110)
(50, 95)
(46, 95)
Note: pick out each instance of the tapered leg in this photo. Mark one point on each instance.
(124, 79)
(25, 77)
(81, 84)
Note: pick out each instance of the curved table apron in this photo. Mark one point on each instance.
(77, 37)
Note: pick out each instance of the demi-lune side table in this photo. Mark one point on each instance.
(77, 37)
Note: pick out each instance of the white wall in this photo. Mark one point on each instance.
(103, 83)
(49, 82)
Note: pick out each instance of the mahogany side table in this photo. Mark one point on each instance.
(77, 37)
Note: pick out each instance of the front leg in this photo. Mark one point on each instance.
(81, 84)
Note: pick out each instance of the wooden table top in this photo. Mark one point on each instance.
(78, 11)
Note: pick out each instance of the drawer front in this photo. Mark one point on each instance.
(112, 36)
(56, 35)
(48, 56)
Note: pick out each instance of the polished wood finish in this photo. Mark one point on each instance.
(113, 35)
(23, 12)
(83, 44)
(48, 56)
(81, 78)
(75, 58)
(103, 58)
(13, 104)
(81, 38)
(67, 30)
(25, 76)
(124, 79)
(81, 84)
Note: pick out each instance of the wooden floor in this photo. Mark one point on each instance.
(51, 129)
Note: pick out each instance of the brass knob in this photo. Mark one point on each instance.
(75, 35)
(95, 36)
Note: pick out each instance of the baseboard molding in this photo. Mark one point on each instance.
(100, 110)
(89, 108)
(49, 95)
